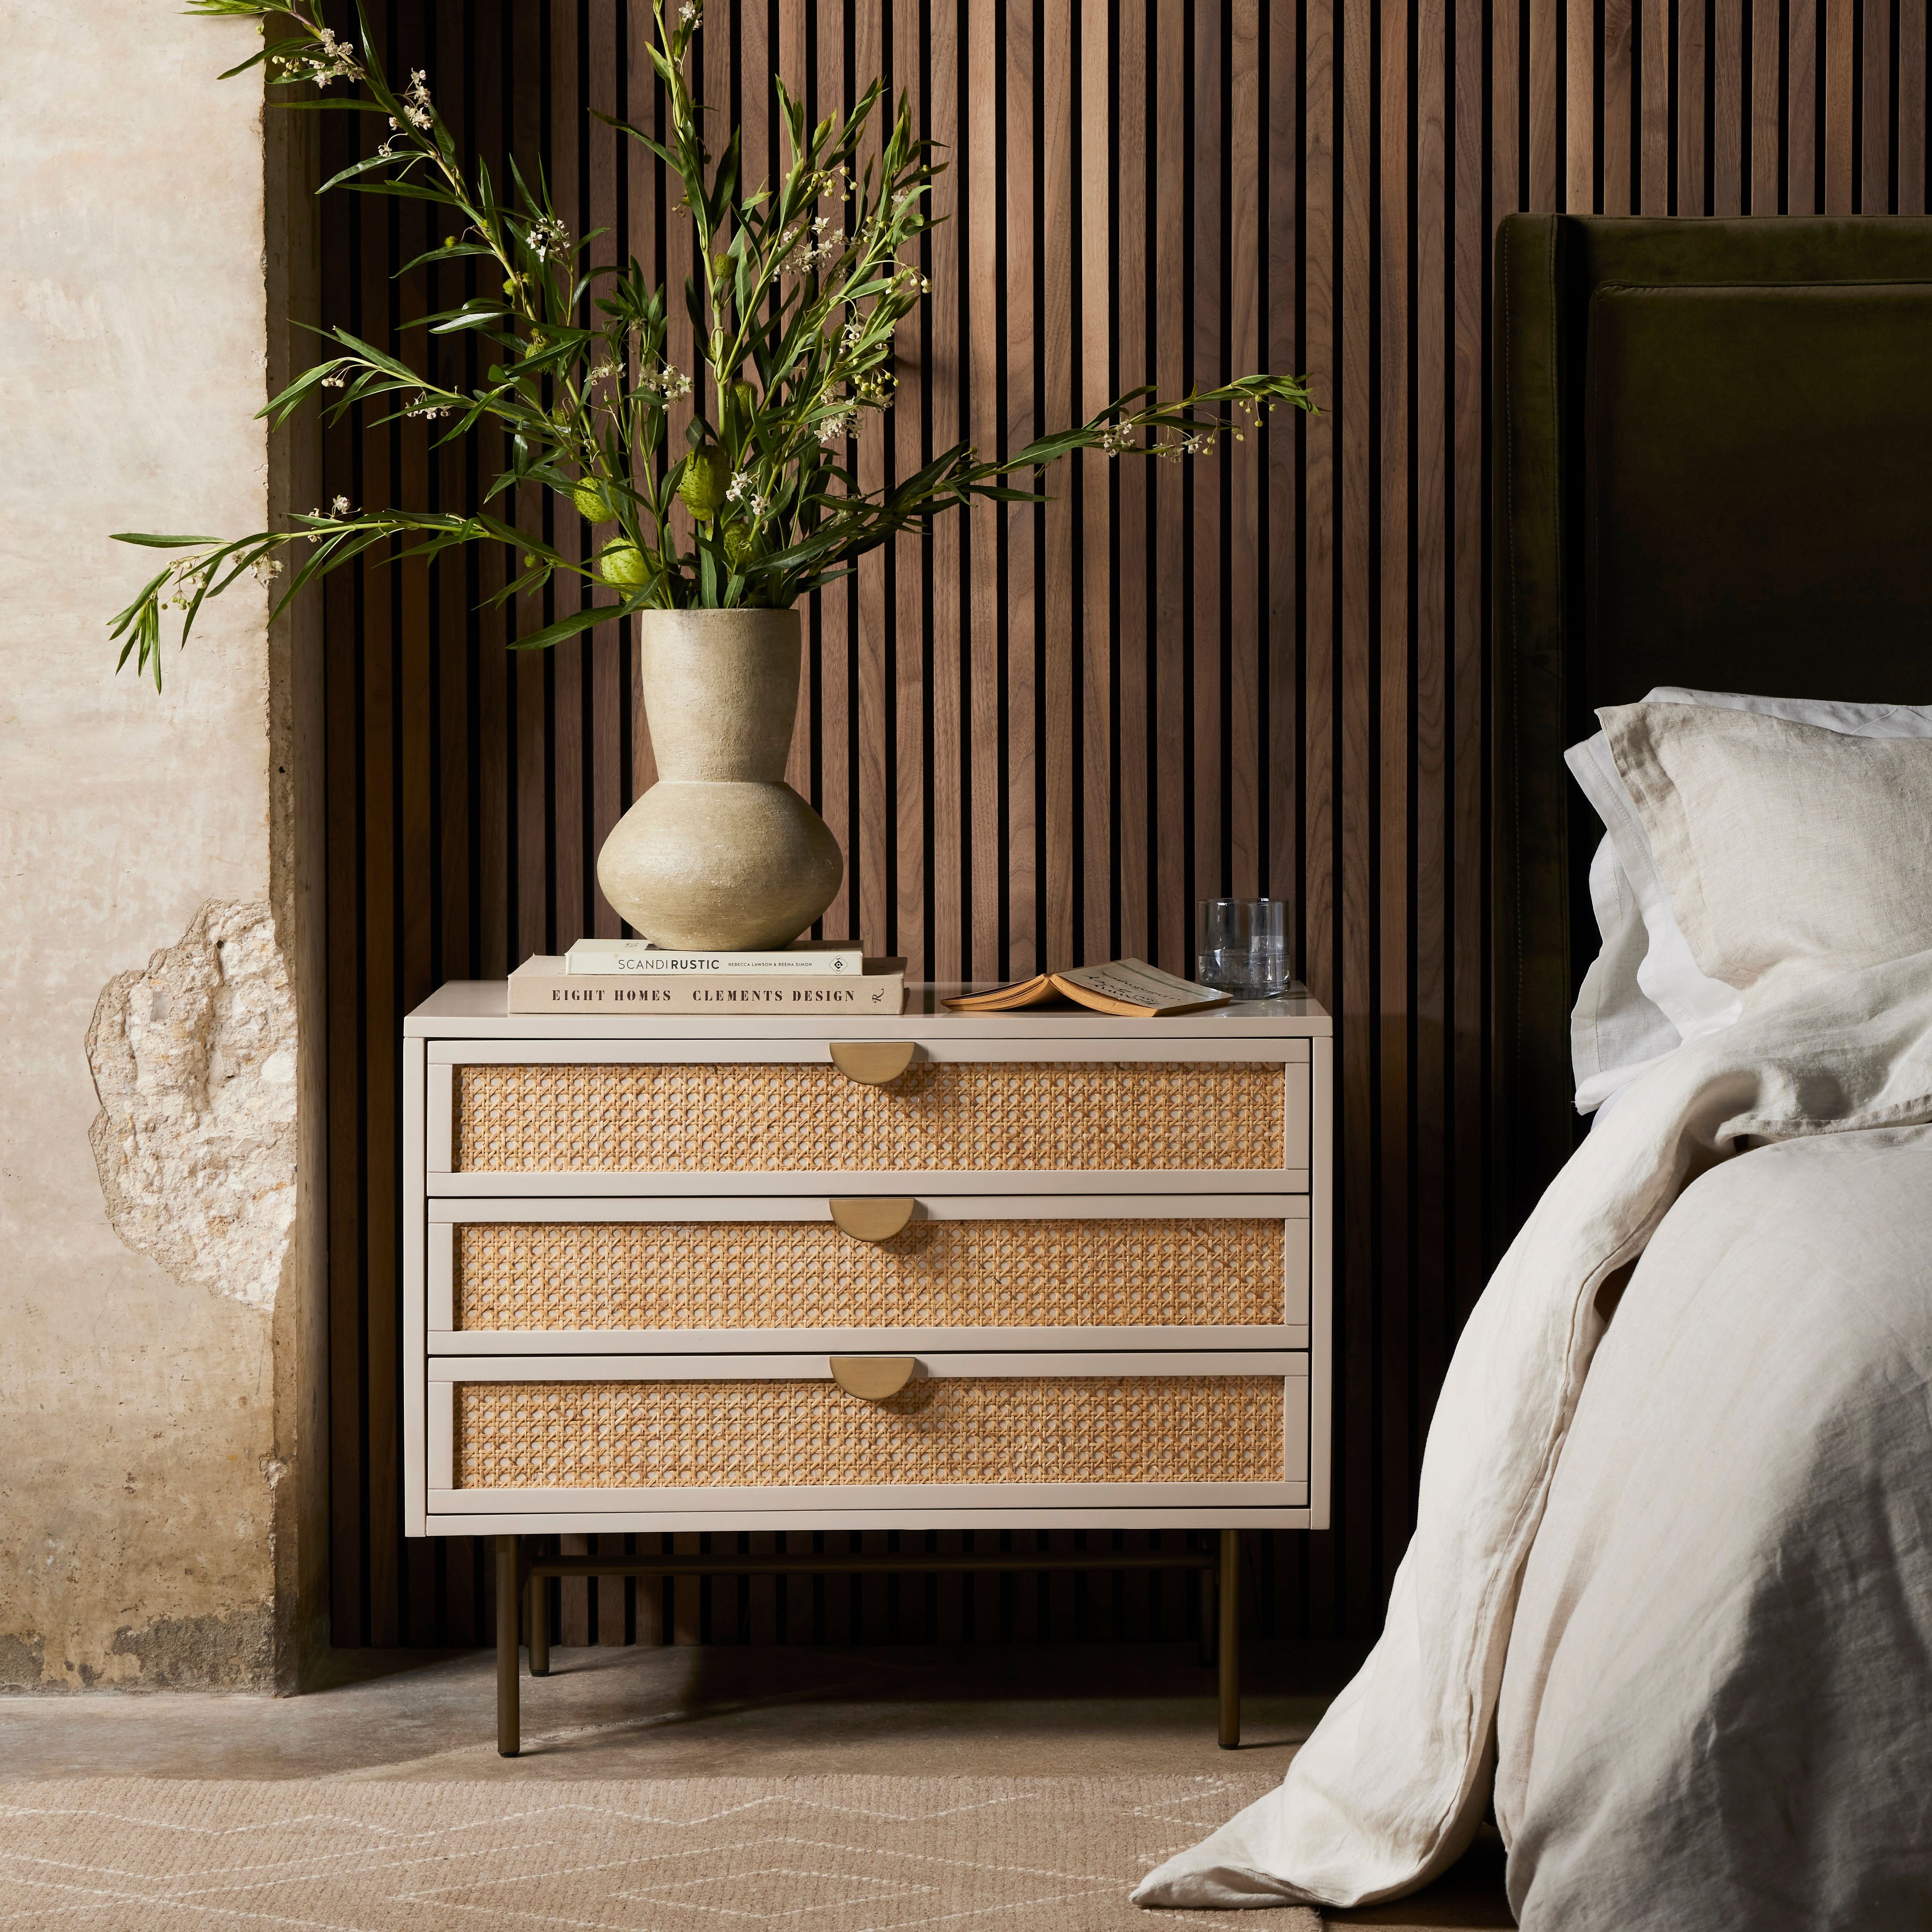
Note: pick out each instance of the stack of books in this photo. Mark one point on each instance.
(632, 976)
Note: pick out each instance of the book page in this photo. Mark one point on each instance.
(1004, 999)
(1137, 983)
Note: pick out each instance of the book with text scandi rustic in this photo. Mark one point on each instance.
(639, 959)
(1130, 988)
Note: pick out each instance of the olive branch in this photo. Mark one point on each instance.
(797, 292)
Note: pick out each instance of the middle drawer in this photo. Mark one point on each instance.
(684, 1275)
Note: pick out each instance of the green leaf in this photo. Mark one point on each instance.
(158, 542)
(567, 627)
(368, 163)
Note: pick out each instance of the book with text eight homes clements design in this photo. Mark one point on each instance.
(544, 983)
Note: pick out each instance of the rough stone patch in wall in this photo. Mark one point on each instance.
(194, 1064)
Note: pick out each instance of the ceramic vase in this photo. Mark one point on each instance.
(721, 853)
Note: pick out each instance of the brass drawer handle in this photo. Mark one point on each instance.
(873, 1377)
(872, 1217)
(872, 1063)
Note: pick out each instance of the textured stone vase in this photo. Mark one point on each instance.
(720, 852)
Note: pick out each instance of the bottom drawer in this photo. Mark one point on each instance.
(778, 1434)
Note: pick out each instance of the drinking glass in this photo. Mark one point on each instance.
(1241, 947)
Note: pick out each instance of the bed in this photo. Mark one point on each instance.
(1667, 1612)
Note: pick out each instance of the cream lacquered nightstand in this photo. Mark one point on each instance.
(1040, 1270)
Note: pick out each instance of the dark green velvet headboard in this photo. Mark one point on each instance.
(1712, 467)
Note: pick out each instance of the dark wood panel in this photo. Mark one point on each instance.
(1042, 732)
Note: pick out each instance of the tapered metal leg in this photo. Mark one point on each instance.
(539, 1626)
(1230, 1623)
(508, 1595)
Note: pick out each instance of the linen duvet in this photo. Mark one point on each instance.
(1668, 1602)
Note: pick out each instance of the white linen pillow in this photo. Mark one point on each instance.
(1788, 852)
(1643, 995)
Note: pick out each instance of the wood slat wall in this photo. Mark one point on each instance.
(1043, 732)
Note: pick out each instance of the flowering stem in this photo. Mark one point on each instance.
(796, 318)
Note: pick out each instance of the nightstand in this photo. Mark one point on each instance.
(1041, 1270)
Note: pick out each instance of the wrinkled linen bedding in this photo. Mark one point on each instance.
(1717, 1707)
(1388, 1789)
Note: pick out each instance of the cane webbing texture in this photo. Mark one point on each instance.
(771, 1435)
(806, 1274)
(778, 1117)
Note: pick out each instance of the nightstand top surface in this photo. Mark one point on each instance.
(477, 1010)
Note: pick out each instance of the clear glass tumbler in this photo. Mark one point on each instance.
(1241, 947)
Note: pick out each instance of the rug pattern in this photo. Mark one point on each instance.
(823, 1854)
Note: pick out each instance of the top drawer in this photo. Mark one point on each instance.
(520, 1110)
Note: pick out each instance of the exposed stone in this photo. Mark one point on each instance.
(194, 1064)
(231, 1652)
(20, 1665)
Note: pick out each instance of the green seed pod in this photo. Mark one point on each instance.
(593, 501)
(625, 567)
(740, 541)
(701, 490)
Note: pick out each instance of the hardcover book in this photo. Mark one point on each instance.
(544, 984)
(639, 959)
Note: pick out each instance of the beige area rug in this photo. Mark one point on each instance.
(818, 1854)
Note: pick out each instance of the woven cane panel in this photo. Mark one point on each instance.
(804, 1274)
(954, 1115)
(770, 1435)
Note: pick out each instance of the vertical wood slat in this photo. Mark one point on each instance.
(1874, 84)
(1058, 866)
(982, 163)
(1167, 360)
(832, 650)
(1205, 877)
(1097, 205)
(878, 834)
(1654, 110)
(1911, 122)
(904, 910)
(1802, 149)
(1019, 419)
(1841, 84)
(1321, 243)
(1581, 77)
(1244, 706)
(1767, 142)
(1616, 196)
(1693, 53)
(945, 390)
(1042, 731)
(1130, 556)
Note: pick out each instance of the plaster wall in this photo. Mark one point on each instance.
(140, 1451)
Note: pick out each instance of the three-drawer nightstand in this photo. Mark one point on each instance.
(1028, 1270)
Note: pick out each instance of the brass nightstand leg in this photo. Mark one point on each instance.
(508, 1604)
(539, 1626)
(1231, 1638)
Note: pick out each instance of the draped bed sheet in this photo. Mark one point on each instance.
(1706, 1569)
(1717, 1705)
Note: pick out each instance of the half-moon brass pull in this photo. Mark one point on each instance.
(872, 1378)
(872, 1063)
(872, 1217)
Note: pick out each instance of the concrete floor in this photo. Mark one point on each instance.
(729, 1710)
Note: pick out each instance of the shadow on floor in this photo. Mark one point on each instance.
(707, 1712)
(1469, 1893)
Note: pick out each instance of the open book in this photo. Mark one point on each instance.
(1129, 987)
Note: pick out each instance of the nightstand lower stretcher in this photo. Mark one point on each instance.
(521, 1575)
